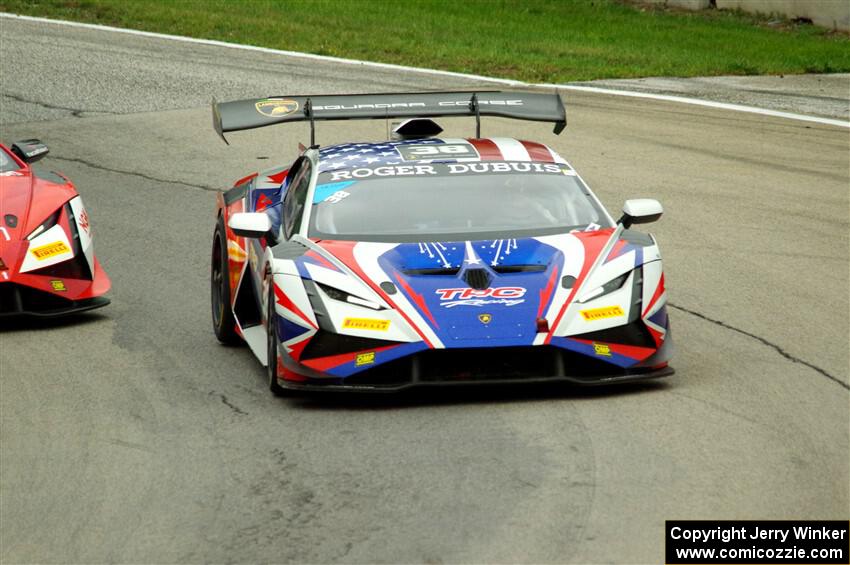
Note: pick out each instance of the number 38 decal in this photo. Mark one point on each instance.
(441, 151)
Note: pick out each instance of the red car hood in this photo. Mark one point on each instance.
(30, 199)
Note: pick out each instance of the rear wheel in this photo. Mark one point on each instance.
(272, 345)
(224, 324)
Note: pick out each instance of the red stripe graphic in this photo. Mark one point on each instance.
(546, 293)
(538, 151)
(656, 335)
(417, 298)
(244, 179)
(296, 349)
(631, 351)
(488, 150)
(593, 243)
(344, 251)
(332, 361)
(658, 292)
(325, 263)
(278, 178)
(285, 301)
(286, 374)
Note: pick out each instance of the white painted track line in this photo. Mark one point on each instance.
(501, 81)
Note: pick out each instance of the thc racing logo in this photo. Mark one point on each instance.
(504, 295)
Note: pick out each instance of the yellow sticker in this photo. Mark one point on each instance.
(49, 250)
(275, 107)
(601, 349)
(236, 253)
(366, 324)
(364, 359)
(58, 286)
(485, 318)
(600, 313)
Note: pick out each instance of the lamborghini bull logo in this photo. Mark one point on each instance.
(276, 107)
(505, 295)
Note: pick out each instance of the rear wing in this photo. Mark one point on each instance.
(256, 113)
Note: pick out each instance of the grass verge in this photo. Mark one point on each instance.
(531, 40)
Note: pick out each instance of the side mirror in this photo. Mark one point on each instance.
(640, 211)
(29, 150)
(250, 224)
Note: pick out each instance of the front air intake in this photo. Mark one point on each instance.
(479, 279)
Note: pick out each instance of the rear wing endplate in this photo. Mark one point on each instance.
(260, 112)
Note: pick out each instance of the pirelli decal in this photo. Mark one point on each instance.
(366, 324)
(602, 313)
(47, 251)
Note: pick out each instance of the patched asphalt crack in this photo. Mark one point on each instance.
(134, 174)
(232, 406)
(762, 340)
(76, 112)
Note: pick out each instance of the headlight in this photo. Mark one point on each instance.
(607, 288)
(342, 296)
(46, 224)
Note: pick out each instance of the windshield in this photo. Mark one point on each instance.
(451, 201)
(7, 163)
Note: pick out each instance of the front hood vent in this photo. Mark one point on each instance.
(436, 271)
(508, 269)
(479, 279)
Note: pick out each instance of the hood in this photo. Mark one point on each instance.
(30, 199)
(26, 201)
(476, 293)
(491, 290)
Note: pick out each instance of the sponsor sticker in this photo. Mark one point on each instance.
(236, 253)
(83, 221)
(443, 169)
(601, 349)
(276, 107)
(364, 359)
(337, 196)
(49, 250)
(443, 151)
(485, 318)
(36, 151)
(366, 324)
(601, 313)
(505, 295)
(58, 286)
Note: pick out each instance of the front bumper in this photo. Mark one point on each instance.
(20, 300)
(463, 367)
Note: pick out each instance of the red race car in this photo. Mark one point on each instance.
(47, 262)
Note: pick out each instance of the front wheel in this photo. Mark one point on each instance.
(272, 345)
(224, 324)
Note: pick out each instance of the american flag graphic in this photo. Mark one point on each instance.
(354, 155)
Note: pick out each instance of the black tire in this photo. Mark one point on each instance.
(271, 346)
(224, 324)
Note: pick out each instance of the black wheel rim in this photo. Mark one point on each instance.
(217, 281)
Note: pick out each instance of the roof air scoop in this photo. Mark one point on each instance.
(416, 128)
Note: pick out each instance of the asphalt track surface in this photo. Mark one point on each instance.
(130, 435)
